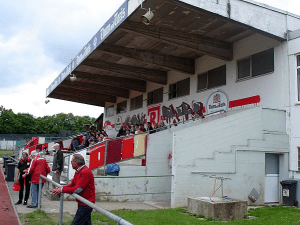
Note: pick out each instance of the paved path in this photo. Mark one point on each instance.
(7, 212)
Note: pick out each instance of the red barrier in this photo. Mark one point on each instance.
(127, 149)
(114, 149)
(244, 101)
(97, 156)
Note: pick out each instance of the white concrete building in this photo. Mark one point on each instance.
(239, 58)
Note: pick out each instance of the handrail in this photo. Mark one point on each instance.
(117, 219)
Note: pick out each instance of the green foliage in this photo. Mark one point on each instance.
(6, 152)
(277, 215)
(24, 123)
(37, 217)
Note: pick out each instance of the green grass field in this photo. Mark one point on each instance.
(277, 215)
(6, 152)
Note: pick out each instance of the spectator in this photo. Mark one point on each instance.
(58, 163)
(127, 132)
(149, 127)
(23, 164)
(132, 129)
(162, 126)
(46, 152)
(37, 167)
(121, 132)
(85, 143)
(155, 127)
(83, 183)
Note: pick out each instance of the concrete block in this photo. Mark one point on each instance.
(218, 208)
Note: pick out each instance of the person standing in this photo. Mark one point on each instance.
(58, 163)
(83, 184)
(37, 167)
(23, 164)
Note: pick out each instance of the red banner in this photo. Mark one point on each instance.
(127, 149)
(97, 156)
(114, 149)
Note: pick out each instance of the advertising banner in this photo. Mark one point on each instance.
(97, 156)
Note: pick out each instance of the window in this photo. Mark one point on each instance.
(136, 103)
(122, 107)
(298, 75)
(255, 65)
(110, 111)
(212, 78)
(155, 96)
(179, 89)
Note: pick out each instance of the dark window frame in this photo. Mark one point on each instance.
(133, 102)
(119, 105)
(254, 67)
(176, 92)
(206, 75)
(154, 99)
(110, 107)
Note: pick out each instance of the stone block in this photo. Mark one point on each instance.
(218, 208)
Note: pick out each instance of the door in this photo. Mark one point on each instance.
(271, 178)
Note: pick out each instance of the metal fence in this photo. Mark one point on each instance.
(117, 219)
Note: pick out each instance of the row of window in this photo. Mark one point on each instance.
(252, 66)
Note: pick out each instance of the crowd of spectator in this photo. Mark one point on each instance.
(140, 128)
(90, 138)
(94, 136)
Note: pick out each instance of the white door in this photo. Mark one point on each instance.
(272, 178)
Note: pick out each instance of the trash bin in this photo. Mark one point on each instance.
(10, 172)
(7, 162)
(4, 160)
(289, 192)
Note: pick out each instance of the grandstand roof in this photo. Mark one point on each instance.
(125, 54)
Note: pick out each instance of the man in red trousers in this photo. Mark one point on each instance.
(82, 184)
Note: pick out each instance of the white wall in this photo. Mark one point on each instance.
(232, 147)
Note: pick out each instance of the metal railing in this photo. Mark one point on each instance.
(117, 219)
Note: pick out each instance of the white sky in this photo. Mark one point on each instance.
(39, 38)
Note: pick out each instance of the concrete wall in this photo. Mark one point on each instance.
(139, 186)
(231, 147)
(294, 107)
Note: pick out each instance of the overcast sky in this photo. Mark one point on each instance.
(39, 38)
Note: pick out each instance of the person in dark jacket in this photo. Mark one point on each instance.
(58, 163)
(83, 184)
(23, 164)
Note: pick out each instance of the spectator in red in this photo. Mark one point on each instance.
(37, 167)
(82, 184)
(23, 164)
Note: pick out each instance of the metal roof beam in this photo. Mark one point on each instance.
(168, 61)
(119, 82)
(156, 76)
(96, 88)
(77, 99)
(86, 94)
(197, 43)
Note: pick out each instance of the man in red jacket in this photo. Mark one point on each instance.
(38, 166)
(82, 184)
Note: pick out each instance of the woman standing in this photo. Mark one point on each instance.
(23, 164)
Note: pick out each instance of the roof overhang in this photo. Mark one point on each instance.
(125, 54)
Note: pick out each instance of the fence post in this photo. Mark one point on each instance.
(105, 156)
(40, 194)
(61, 209)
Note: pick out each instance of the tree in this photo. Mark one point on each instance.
(24, 123)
